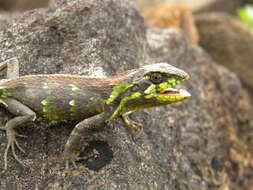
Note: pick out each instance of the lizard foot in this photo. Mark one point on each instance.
(12, 143)
(72, 158)
(136, 127)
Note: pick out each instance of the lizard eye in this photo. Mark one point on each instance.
(156, 78)
(135, 88)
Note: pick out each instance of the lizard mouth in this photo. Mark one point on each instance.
(173, 94)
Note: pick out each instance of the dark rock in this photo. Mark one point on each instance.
(22, 5)
(228, 6)
(202, 143)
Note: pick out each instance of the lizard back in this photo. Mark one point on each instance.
(59, 97)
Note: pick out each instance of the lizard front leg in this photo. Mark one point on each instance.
(23, 114)
(83, 129)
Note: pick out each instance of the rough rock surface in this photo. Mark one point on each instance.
(203, 143)
(229, 42)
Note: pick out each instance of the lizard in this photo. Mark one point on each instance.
(90, 101)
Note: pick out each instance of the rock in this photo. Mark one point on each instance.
(192, 4)
(200, 6)
(226, 6)
(229, 42)
(22, 5)
(172, 16)
(203, 143)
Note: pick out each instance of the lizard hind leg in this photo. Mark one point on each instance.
(82, 130)
(23, 114)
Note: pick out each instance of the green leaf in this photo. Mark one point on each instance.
(246, 14)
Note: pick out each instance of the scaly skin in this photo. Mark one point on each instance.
(92, 101)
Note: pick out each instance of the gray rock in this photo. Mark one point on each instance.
(202, 143)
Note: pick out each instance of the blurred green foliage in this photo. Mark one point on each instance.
(246, 14)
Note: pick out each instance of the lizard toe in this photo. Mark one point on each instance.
(70, 157)
(12, 147)
(12, 144)
(136, 127)
(68, 162)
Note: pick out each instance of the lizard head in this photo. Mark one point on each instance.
(149, 86)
